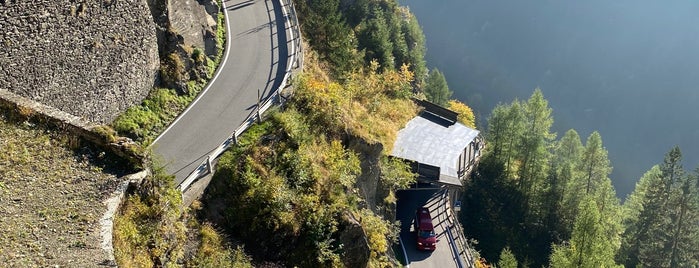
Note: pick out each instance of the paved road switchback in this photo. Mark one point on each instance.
(251, 62)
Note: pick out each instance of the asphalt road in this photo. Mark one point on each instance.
(251, 62)
(408, 202)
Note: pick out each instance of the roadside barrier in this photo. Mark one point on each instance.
(294, 58)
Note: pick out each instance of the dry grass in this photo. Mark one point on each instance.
(52, 200)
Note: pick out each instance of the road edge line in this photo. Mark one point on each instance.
(210, 83)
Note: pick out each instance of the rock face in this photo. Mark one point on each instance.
(93, 59)
(355, 243)
(195, 21)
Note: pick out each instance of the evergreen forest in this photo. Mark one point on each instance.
(540, 201)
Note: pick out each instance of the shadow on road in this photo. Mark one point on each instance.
(241, 5)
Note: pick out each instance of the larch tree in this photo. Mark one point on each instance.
(436, 88)
(505, 125)
(535, 143)
(595, 163)
(566, 157)
(589, 245)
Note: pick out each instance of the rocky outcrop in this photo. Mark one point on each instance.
(354, 240)
(186, 33)
(93, 59)
(195, 21)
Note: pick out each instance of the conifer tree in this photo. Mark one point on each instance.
(534, 149)
(589, 245)
(595, 164)
(436, 88)
(655, 221)
(633, 206)
(567, 155)
(507, 259)
(505, 125)
(662, 218)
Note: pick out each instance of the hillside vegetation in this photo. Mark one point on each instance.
(312, 185)
(295, 177)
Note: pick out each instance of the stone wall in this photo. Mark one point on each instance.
(19, 108)
(92, 59)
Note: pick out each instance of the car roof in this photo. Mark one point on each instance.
(424, 219)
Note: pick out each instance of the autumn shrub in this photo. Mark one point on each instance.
(212, 252)
(371, 106)
(465, 114)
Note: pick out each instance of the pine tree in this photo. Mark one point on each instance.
(655, 231)
(375, 39)
(682, 242)
(662, 218)
(633, 206)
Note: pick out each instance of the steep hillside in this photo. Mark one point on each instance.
(93, 59)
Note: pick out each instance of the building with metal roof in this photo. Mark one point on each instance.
(440, 149)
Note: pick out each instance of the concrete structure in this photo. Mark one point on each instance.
(440, 149)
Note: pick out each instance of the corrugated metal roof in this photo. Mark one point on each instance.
(431, 140)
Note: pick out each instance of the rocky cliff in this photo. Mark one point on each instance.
(93, 59)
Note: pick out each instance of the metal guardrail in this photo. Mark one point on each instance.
(295, 57)
(459, 245)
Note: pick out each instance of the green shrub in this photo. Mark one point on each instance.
(213, 254)
(149, 230)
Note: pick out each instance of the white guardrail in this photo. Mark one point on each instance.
(459, 246)
(292, 26)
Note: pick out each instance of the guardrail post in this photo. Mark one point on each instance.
(208, 164)
(259, 118)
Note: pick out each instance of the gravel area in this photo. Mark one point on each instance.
(52, 199)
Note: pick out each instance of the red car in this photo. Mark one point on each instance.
(426, 239)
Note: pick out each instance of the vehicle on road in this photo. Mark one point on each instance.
(426, 238)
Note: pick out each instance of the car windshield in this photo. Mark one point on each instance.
(426, 233)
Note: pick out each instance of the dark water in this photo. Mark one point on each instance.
(627, 68)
